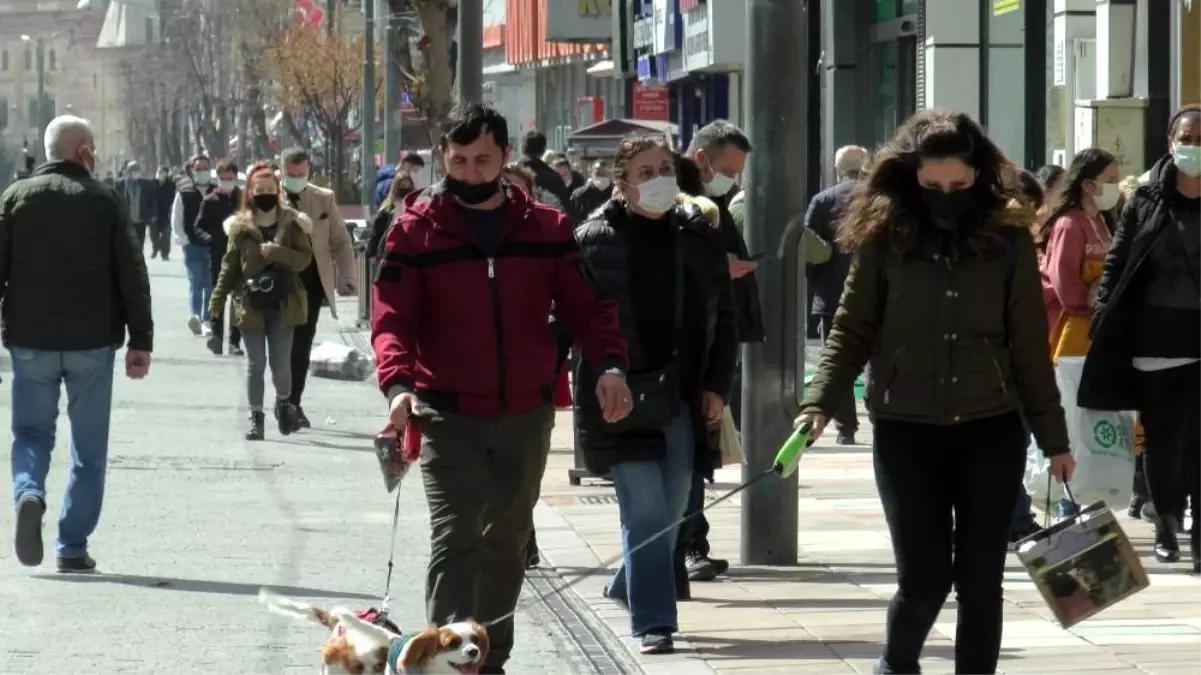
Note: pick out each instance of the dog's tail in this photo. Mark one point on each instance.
(296, 609)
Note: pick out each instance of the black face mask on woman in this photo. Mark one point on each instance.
(472, 193)
(947, 207)
(266, 202)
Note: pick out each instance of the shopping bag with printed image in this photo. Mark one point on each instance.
(1083, 564)
(1102, 443)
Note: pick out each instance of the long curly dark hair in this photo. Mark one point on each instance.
(1086, 165)
(888, 199)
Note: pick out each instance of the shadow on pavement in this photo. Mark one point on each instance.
(361, 446)
(798, 603)
(199, 585)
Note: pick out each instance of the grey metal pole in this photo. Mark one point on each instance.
(367, 135)
(164, 119)
(40, 109)
(777, 80)
(469, 79)
(391, 90)
(330, 7)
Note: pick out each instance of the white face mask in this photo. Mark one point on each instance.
(720, 185)
(1110, 193)
(203, 176)
(602, 182)
(1187, 159)
(227, 186)
(658, 194)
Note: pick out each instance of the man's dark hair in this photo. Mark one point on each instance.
(164, 169)
(295, 156)
(227, 164)
(413, 159)
(534, 144)
(468, 123)
(559, 161)
(717, 135)
(197, 158)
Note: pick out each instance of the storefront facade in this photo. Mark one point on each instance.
(556, 42)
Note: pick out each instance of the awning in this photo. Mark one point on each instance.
(500, 69)
(602, 69)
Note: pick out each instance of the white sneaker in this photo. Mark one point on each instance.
(194, 325)
(206, 330)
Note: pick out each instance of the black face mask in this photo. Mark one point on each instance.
(472, 193)
(947, 207)
(266, 202)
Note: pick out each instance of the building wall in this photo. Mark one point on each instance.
(74, 82)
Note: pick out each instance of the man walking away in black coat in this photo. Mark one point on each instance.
(826, 279)
(72, 282)
(164, 197)
(138, 195)
(533, 146)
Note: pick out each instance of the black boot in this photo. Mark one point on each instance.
(257, 419)
(1167, 547)
(285, 413)
(302, 422)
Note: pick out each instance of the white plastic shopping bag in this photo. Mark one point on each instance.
(1102, 443)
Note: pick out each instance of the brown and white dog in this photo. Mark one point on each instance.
(357, 646)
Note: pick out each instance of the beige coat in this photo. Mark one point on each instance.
(332, 248)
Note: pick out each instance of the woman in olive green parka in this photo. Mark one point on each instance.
(266, 234)
(944, 299)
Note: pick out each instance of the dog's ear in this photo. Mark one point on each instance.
(421, 648)
(362, 632)
(338, 651)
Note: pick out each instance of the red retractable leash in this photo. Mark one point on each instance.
(398, 452)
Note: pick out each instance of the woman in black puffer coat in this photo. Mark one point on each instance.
(661, 259)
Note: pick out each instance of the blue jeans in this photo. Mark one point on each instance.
(200, 279)
(651, 496)
(38, 377)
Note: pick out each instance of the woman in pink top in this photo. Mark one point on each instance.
(1075, 238)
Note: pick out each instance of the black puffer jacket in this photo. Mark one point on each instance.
(1108, 381)
(707, 350)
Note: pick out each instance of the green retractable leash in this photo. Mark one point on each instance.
(784, 466)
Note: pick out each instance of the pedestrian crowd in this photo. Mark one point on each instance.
(948, 278)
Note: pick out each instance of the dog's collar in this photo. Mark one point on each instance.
(396, 649)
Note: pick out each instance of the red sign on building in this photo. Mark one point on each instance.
(651, 102)
(688, 5)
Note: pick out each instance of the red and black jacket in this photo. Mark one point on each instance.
(468, 333)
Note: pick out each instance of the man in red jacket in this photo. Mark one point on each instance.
(469, 272)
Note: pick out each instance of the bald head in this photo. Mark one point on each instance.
(849, 161)
(69, 139)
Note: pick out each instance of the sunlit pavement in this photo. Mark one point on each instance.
(196, 520)
(826, 615)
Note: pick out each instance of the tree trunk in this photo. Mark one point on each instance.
(300, 135)
(437, 92)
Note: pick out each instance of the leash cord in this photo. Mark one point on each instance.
(604, 566)
(391, 555)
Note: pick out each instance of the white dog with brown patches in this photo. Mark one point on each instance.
(356, 646)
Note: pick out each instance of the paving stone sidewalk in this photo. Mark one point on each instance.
(826, 615)
(196, 520)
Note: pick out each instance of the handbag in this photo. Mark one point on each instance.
(266, 290)
(656, 394)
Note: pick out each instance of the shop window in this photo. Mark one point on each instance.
(28, 59)
(53, 60)
(3, 112)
